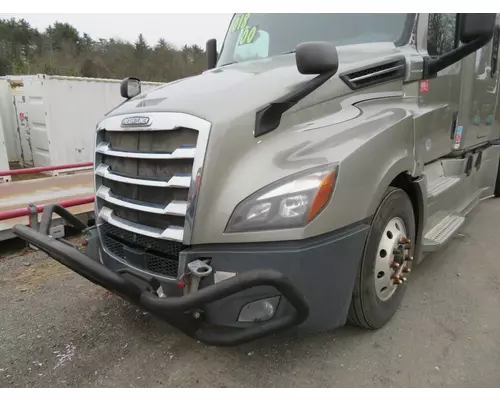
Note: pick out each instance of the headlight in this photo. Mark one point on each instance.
(289, 203)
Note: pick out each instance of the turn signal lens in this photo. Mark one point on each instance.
(322, 196)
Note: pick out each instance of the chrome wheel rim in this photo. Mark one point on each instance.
(392, 259)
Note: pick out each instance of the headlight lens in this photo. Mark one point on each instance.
(289, 203)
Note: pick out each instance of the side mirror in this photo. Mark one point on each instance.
(313, 58)
(476, 26)
(130, 87)
(475, 30)
(211, 50)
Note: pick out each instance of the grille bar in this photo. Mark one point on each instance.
(174, 233)
(177, 181)
(180, 153)
(175, 207)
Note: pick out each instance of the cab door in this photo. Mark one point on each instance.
(439, 96)
(484, 93)
(440, 108)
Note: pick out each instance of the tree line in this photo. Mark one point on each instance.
(62, 50)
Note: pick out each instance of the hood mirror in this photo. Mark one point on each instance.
(312, 58)
(211, 50)
(316, 58)
(130, 87)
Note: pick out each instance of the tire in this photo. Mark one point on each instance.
(496, 193)
(367, 309)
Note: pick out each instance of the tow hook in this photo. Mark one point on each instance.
(198, 269)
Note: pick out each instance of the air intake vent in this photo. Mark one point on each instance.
(375, 74)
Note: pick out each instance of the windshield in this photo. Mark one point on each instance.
(252, 36)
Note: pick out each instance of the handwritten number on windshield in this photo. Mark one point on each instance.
(241, 22)
(248, 36)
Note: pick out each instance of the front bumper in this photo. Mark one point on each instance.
(177, 311)
(314, 278)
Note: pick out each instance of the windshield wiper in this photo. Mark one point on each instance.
(226, 64)
(235, 62)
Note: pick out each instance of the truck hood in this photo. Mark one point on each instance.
(244, 87)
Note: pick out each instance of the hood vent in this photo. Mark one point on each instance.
(375, 74)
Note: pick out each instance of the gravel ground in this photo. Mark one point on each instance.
(57, 329)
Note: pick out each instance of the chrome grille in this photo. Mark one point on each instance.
(144, 180)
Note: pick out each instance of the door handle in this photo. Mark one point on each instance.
(453, 125)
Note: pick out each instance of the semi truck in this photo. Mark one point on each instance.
(294, 185)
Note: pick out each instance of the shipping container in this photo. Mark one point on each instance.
(8, 121)
(4, 161)
(55, 116)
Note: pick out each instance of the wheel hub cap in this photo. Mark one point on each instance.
(393, 259)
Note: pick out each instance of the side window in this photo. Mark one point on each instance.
(441, 33)
(494, 51)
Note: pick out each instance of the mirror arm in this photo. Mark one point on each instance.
(268, 118)
(432, 65)
(117, 106)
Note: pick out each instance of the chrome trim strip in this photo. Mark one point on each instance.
(160, 121)
(179, 181)
(182, 152)
(176, 181)
(398, 67)
(174, 233)
(175, 207)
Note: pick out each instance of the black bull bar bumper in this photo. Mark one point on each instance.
(177, 311)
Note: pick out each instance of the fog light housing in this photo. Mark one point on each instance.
(260, 310)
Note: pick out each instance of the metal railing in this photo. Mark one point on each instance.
(34, 170)
(21, 212)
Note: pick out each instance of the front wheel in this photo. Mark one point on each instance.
(497, 182)
(381, 280)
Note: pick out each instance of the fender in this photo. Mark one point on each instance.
(399, 171)
(377, 147)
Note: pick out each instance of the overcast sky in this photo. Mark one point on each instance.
(178, 29)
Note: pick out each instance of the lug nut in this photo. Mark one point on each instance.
(409, 258)
(395, 265)
(406, 269)
(196, 315)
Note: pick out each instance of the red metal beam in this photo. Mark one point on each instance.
(34, 170)
(20, 212)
